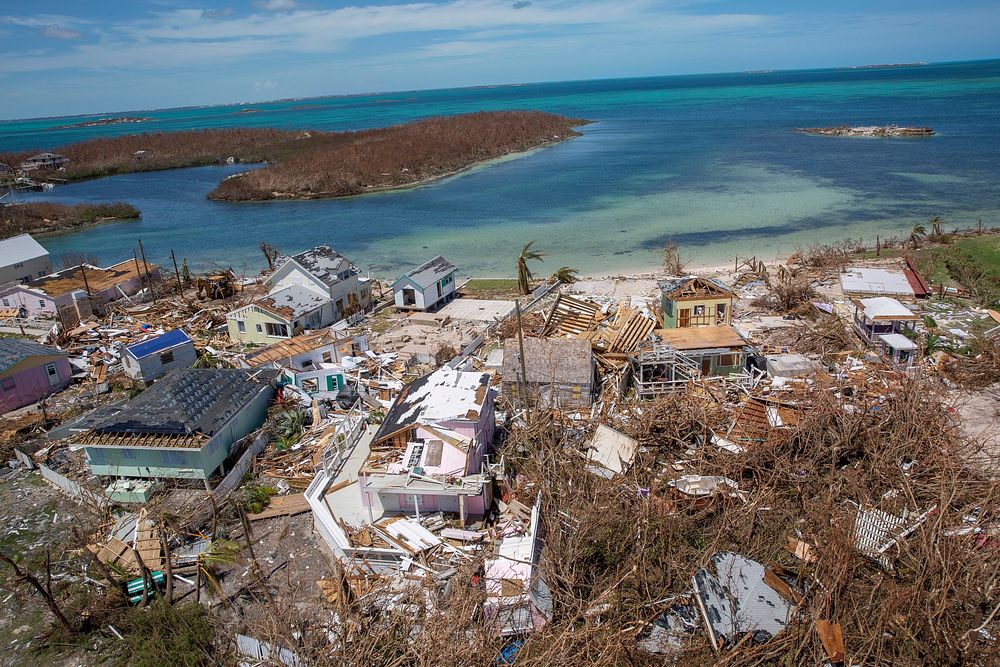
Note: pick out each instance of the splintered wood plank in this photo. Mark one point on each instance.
(832, 637)
(289, 505)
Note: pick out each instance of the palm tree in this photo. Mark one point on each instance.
(566, 275)
(915, 234)
(936, 223)
(524, 276)
(219, 554)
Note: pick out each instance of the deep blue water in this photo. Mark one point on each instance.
(711, 161)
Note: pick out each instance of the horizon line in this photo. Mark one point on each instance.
(760, 72)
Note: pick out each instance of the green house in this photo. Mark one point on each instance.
(695, 302)
(184, 426)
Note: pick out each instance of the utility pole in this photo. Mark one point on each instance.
(523, 389)
(149, 279)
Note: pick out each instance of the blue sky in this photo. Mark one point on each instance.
(76, 57)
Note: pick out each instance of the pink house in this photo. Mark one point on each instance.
(80, 290)
(29, 372)
(428, 453)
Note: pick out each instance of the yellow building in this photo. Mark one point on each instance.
(695, 302)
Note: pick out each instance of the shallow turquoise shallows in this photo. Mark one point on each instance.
(711, 161)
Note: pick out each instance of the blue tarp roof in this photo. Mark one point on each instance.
(158, 344)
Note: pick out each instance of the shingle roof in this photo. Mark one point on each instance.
(158, 344)
(325, 263)
(185, 402)
(550, 360)
(20, 249)
(291, 347)
(293, 301)
(443, 395)
(13, 350)
(430, 272)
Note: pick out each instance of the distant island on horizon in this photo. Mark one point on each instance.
(374, 93)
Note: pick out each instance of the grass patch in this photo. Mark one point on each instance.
(490, 288)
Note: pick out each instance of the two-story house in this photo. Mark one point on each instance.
(428, 453)
(310, 290)
(697, 321)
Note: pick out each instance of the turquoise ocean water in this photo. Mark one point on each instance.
(710, 161)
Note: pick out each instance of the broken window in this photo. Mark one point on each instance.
(241, 326)
(699, 311)
(167, 357)
(327, 357)
(310, 385)
(277, 330)
(720, 312)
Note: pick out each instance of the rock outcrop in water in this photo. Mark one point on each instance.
(868, 131)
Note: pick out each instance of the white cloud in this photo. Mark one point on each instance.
(266, 84)
(276, 5)
(54, 31)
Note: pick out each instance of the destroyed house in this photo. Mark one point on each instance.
(80, 291)
(184, 426)
(907, 284)
(154, 357)
(310, 290)
(45, 161)
(695, 302)
(518, 599)
(314, 362)
(29, 372)
(426, 287)
(556, 373)
(715, 350)
(429, 451)
(880, 316)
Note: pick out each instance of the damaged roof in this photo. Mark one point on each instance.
(550, 360)
(325, 263)
(293, 301)
(444, 395)
(734, 601)
(184, 409)
(94, 277)
(693, 286)
(430, 272)
(702, 338)
(14, 350)
(291, 347)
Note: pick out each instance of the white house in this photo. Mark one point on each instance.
(152, 358)
(23, 259)
(310, 290)
(316, 362)
(426, 287)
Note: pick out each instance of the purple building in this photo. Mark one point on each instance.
(29, 372)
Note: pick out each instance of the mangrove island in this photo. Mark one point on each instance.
(46, 218)
(312, 164)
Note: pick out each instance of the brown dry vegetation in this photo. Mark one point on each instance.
(612, 556)
(40, 218)
(318, 164)
(336, 165)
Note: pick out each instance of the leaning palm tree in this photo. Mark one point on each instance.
(916, 233)
(566, 275)
(936, 223)
(220, 554)
(524, 276)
